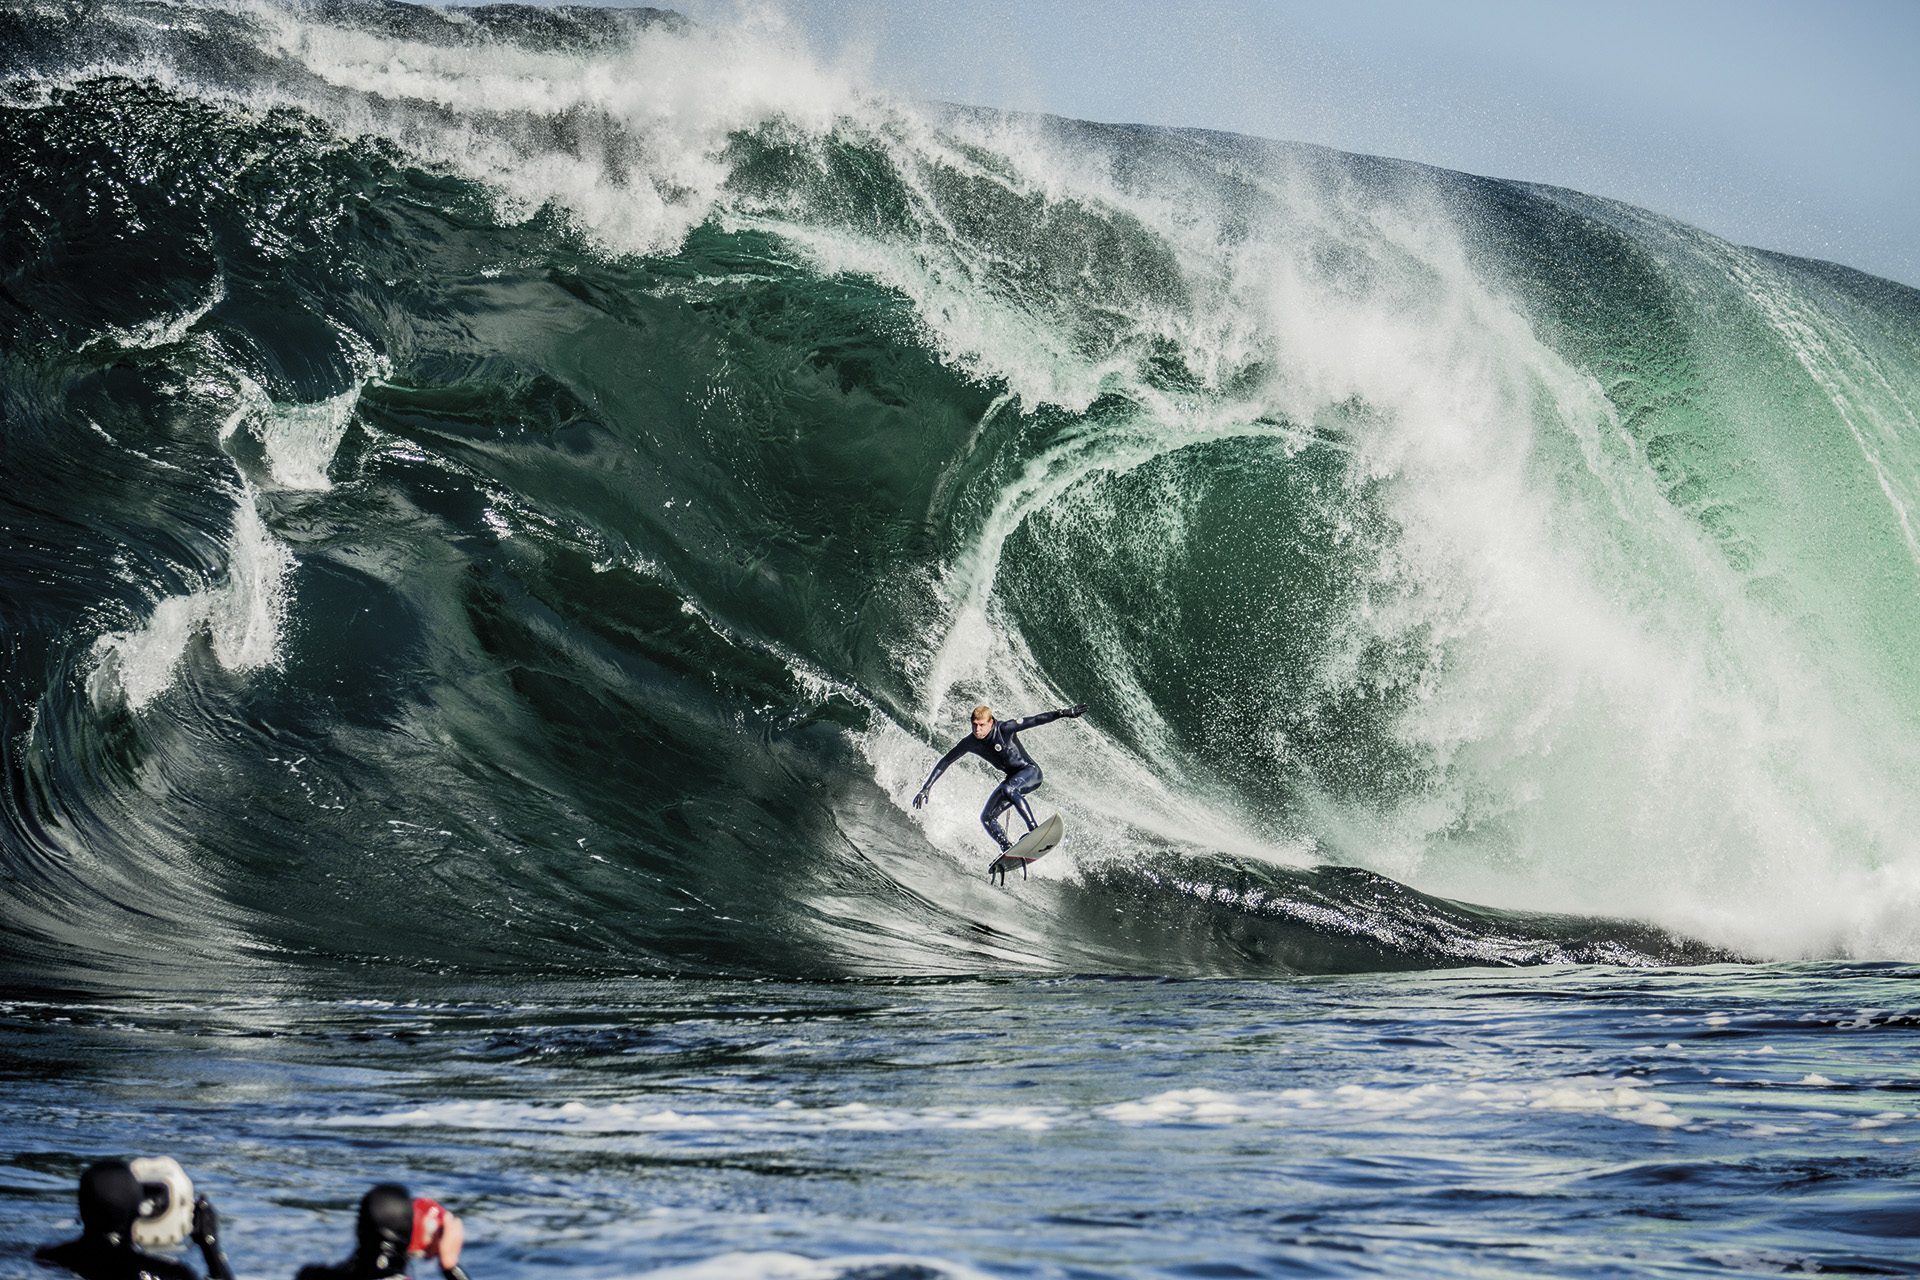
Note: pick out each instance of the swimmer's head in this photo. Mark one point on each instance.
(109, 1198)
(982, 721)
(385, 1226)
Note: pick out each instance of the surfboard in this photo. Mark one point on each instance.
(1030, 846)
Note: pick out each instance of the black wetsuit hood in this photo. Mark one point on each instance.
(109, 1198)
(381, 1235)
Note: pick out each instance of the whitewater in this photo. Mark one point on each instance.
(504, 506)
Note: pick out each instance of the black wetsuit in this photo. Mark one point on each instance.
(369, 1266)
(354, 1268)
(1001, 748)
(111, 1199)
(111, 1258)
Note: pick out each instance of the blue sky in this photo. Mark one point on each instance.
(1793, 126)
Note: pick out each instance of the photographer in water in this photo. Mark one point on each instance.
(393, 1229)
(123, 1206)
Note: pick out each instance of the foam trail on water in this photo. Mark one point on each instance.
(240, 617)
(161, 331)
(243, 616)
(301, 439)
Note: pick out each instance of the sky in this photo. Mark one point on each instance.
(1790, 126)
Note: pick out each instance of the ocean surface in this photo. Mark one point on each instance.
(1565, 1121)
(500, 509)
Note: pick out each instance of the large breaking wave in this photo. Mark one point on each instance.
(534, 489)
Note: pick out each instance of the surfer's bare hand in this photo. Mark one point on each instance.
(1075, 711)
(921, 798)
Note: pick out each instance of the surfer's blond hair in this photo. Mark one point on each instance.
(982, 712)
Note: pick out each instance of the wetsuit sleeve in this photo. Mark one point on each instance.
(159, 1268)
(959, 749)
(1028, 722)
(206, 1234)
(56, 1255)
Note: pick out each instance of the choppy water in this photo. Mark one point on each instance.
(1573, 1122)
(519, 498)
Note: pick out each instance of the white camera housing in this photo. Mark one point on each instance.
(166, 1201)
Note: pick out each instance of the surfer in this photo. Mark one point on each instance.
(112, 1198)
(998, 743)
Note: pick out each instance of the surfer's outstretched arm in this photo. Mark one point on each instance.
(1073, 712)
(959, 749)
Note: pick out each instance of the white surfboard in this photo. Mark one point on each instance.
(1030, 846)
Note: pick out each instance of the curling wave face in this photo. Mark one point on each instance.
(527, 488)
